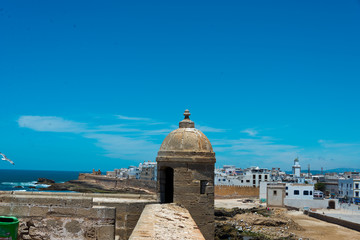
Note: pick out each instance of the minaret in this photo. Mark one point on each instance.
(186, 163)
(296, 168)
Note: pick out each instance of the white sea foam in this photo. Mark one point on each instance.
(42, 185)
(26, 184)
(23, 184)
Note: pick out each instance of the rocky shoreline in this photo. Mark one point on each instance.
(88, 186)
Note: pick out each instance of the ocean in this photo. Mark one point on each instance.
(25, 180)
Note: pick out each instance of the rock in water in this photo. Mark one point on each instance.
(45, 181)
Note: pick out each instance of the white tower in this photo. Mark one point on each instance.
(296, 168)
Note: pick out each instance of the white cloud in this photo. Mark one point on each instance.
(209, 129)
(113, 128)
(331, 144)
(121, 141)
(251, 132)
(117, 140)
(132, 118)
(156, 132)
(260, 151)
(118, 146)
(51, 124)
(333, 154)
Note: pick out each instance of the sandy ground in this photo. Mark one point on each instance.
(320, 230)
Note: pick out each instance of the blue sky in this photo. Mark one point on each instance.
(94, 84)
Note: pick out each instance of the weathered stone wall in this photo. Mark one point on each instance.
(118, 183)
(166, 221)
(45, 215)
(235, 191)
(187, 181)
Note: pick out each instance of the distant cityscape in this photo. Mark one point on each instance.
(342, 184)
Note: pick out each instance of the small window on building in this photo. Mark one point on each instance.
(287, 188)
(248, 181)
(242, 181)
(254, 181)
(306, 192)
(203, 184)
(310, 192)
(356, 194)
(224, 180)
(287, 194)
(296, 192)
(266, 177)
(219, 180)
(275, 192)
(356, 185)
(260, 176)
(254, 176)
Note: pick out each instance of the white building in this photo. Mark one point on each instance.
(299, 191)
(356, 188)
(134, 172)
(250, 177)
(346, 188)
(148, 170)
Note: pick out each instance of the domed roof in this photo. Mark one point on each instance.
(186, 138)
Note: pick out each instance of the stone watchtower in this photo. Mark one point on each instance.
(186, 164)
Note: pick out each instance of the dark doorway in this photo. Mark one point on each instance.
(167, 185)
(331, 205)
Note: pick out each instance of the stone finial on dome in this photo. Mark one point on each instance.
(186, 123)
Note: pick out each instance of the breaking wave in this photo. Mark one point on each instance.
(23, 186)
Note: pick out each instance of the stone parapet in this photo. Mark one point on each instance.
(75, 194)
(48, 215)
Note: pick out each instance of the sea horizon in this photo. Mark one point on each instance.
(25, 180)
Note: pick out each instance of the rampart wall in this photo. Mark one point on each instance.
(45, 215)
(235, 191)
(310, 203)
(341, 222)
(117, 183)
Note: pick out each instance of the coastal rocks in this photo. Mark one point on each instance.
(45, 181)
(86, 187)
(134, 186)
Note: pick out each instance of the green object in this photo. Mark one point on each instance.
(8, 228)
